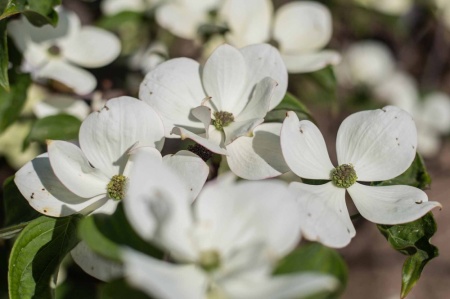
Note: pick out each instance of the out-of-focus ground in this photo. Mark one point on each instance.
(374, 267)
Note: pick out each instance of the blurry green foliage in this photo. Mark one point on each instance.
(12, 101)
(104, 234)
(54, 127)
(289, 103)
(315, 257)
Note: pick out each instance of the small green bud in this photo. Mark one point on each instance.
(54, 50)
(222, 119)
(343, 176)
(116, 187)
(210, 260)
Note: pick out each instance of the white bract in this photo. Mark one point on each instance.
(222, 102)
(58, 103)
(184, 17)
(225, 246)
(371, 146)
(301, 29)
(399, 89)
(57, 52)
(367, 63)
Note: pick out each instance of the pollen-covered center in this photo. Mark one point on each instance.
(343, 176)
(116, 187)
(54, 50)
(222, 119)
(209, 260)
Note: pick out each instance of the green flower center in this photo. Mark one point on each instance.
(210, 260)
(54, 50)
(222, 119)
(116, 187)
(343, 176)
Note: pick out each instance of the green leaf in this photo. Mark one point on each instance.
(38, 12)
(315, 257)
(289, 103)
(131, 27)
(115, 21)
(17, 208)
(36, 255)
(325, 78)
(3, 4)
(11, 103)
(4, 61)
(314, 182)
(119, 289)
(43, 7)
(13, 7)
(54, 127)
(416, 175)
(317, 87)
(412, 239)
(104, 234)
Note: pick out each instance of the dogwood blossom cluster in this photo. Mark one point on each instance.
(224, 238)
(57, 53)
(300, 29)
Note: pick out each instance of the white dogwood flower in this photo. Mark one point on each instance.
(371, 146)
(70, 179)
(222, 102)
(216, 257)
(57, 52)
(184, 17)
(301, 29)
(93, 178)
